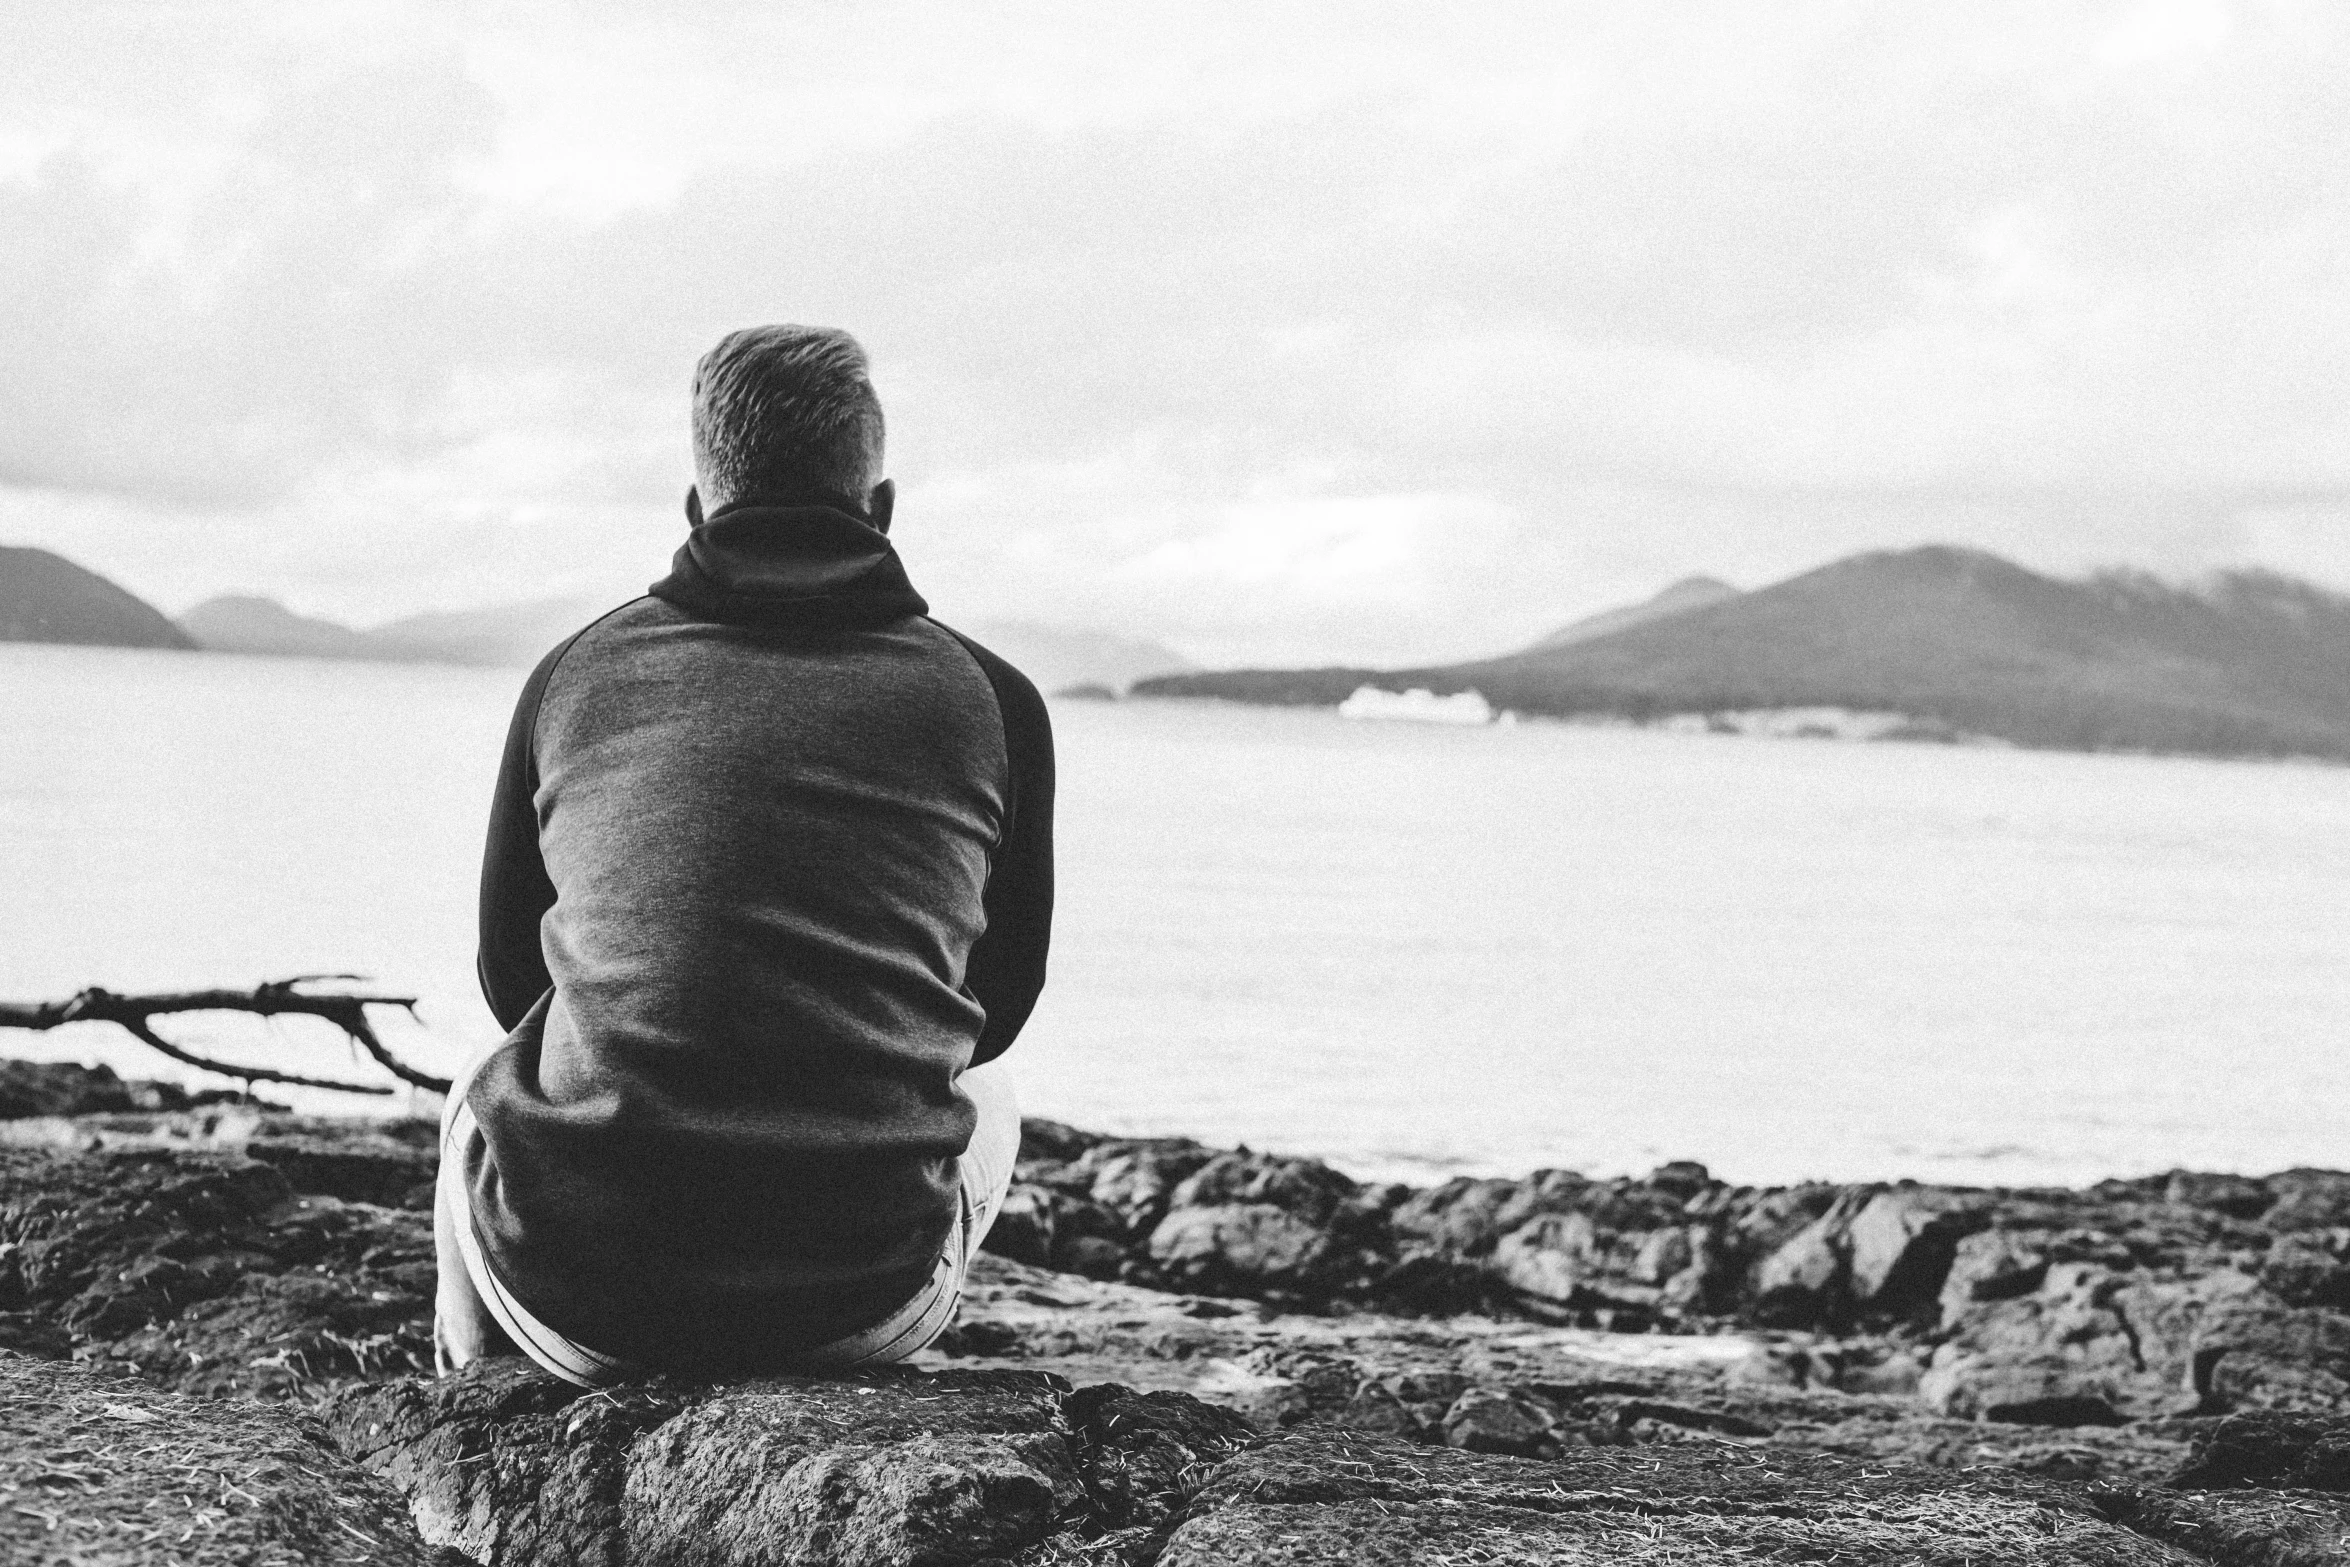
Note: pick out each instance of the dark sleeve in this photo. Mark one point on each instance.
(515, 891)
(1006, 970)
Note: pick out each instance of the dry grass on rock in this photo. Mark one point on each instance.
(107, 1472)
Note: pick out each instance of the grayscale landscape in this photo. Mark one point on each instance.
(1661, 693)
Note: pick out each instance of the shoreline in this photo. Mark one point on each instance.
(121, 1057)
(1163, 1339)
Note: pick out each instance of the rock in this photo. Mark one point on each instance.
(2309, 1270)
(1488, 1420)
(1880, 1433)
(1249, 1249)
(2272, 1448)
(1410, 1404)
(1896, 1374)
(1992, 1264)
(1042, 1139)
(2256, 1353)
(208, 1274)
(1454, 1219)
(1049, 1228)
(2092, 1346)
(1023, 1228)
(2233, 1529)
(1433, 1282)
(1664, 1255)
(1135, 1179)
(875, 1471)
(1570, 1262)
(1324, 1496)
(2237, 1196)
(1543, 1192)
(36, 1088)
(1259, 1224)
(1681, 1179)
(1901, 1245)
(1807, 1280)
(1085, 1236)
(1884, 1254)
(355, 1167)
(1549, 1258)
(1143, 1455)
(2308, 1200)
(107, 1472)
(1091, 1257)
(506, 1463)
(1307, 1189)
(1756, 1224)
(2061, 1356)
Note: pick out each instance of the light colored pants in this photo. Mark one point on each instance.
(473, 1310)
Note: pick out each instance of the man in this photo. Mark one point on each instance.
(769, 882)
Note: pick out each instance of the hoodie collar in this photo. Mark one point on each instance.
(803, 562)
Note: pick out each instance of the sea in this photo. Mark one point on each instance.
(1413, 950)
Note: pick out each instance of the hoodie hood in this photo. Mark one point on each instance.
(813, 565)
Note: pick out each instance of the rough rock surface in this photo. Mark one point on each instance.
(2298, 1452)
(1339, 1497)
(208, 1273)
(2237, 1528)
(2089, 1346)
(508, 1464)
(46, 1088)
(388, 1162)
(109, 1472)
(2187, 1293)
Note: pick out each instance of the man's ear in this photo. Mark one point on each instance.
(882, 502)
(693, 506)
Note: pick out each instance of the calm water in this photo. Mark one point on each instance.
(1409, 950)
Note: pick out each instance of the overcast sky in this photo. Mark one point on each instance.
(1278, 332)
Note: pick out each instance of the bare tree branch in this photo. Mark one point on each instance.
(346, 1011)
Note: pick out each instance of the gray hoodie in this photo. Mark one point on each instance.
(769, 865)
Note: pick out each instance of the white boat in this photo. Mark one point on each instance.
(1417, 706)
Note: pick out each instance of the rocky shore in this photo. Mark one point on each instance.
(216, 1331)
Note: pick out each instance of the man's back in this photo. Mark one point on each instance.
(786, 899)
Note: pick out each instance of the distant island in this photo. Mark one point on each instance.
(46, 598)
(1929, 643)
(1056, 658)
(502, 635)
(1085, 665)
(1955, 642)
(1687, 594)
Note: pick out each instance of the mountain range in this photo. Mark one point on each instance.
(518, 634)
(2246, 663)
(2243, 663)
(47, 598)
(1688, 593)
(504, 634)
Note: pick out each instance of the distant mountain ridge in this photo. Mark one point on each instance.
(519, 634)
(2249, 663)
(46, 598)
(248, 623)
(1057, 658)
(1687, 594)
(505, 634)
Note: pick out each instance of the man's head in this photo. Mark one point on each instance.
(780, 411)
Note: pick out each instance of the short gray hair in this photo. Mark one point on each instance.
(780, 410)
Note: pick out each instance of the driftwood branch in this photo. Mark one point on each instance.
(134, 1014)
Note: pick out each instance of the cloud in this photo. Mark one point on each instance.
(1285, 329)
